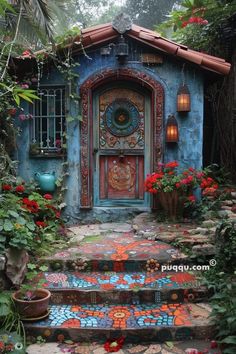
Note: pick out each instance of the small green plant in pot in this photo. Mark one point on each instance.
(32, 299)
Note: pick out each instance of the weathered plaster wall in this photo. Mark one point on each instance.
(170, 74)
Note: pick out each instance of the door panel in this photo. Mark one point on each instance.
(121, 147)
(121, 177)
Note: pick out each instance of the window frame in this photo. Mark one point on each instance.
(37, 146)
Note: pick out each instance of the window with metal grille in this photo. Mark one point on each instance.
(48, 124)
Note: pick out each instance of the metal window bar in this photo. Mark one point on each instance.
(47, 129)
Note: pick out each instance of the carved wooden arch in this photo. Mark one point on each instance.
(86, 90)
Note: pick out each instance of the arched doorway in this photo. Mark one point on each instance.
(123, 108)
(121, 144)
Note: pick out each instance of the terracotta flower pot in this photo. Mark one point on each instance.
(32, 308)
(171, 203)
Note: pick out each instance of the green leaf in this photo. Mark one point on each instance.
(8, 226)
(21, 220)
(16, 99)
(4, 310)
(31, 226)
(68, 341)
(13, 213)
(229, 340)
(31, 266)
(70, 119)
(43, 268)
(4, 298)
(170, 345)
(26, 98)
(229, 351)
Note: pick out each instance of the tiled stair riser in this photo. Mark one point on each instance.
(127, 288)
(127, 297)
(157, 335)
(93, 322)
(86, 265)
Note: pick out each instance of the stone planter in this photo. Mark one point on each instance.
(171, 203)
(30, 309)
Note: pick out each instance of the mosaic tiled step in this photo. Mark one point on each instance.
(129, 288)
(114, 252)
(135, 322)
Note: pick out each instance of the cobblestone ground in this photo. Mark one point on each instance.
(141, 348)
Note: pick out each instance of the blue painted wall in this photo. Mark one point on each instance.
(170, 74)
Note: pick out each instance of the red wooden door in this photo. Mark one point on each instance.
(121, 147)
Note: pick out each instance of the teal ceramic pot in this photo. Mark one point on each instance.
(46, 181)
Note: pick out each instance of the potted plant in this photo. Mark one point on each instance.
(32, 300)
(12, 334)
(174, 190)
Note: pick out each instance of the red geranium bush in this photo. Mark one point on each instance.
(168, 179)
(28, 220)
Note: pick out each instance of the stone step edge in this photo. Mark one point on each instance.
(119, 266)
(197, 325)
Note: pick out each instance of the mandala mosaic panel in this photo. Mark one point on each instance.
(121, 119)
(117, 317)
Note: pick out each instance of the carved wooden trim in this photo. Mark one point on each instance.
(86, 126)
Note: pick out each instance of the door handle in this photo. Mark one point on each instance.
(121, 154)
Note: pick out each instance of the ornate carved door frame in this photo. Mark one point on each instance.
(86, 141)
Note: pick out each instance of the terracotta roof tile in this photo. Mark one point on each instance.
(96, 28)
(102, 33)
(192, 56)
(169, 47)
(145, 35)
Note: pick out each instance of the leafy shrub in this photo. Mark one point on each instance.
(27, 218)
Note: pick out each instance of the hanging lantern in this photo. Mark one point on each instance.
(172, 131)
(183, 99)
(121, 50)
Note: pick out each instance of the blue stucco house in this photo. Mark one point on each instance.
(127, 80)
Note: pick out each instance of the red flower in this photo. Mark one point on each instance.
(2, 346)
(26, 53)
(171, 164)
(30, 205)
(192, 198)
(184, 24)
(20, 189)
(112, 346)
(26, 201)
(40, 223)
(6, 187)
(9, 347)
(58, 214)
(47, 196)
(214, 344)
(11, 111)
(33, 207)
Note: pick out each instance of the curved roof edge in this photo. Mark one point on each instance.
(102, 33)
